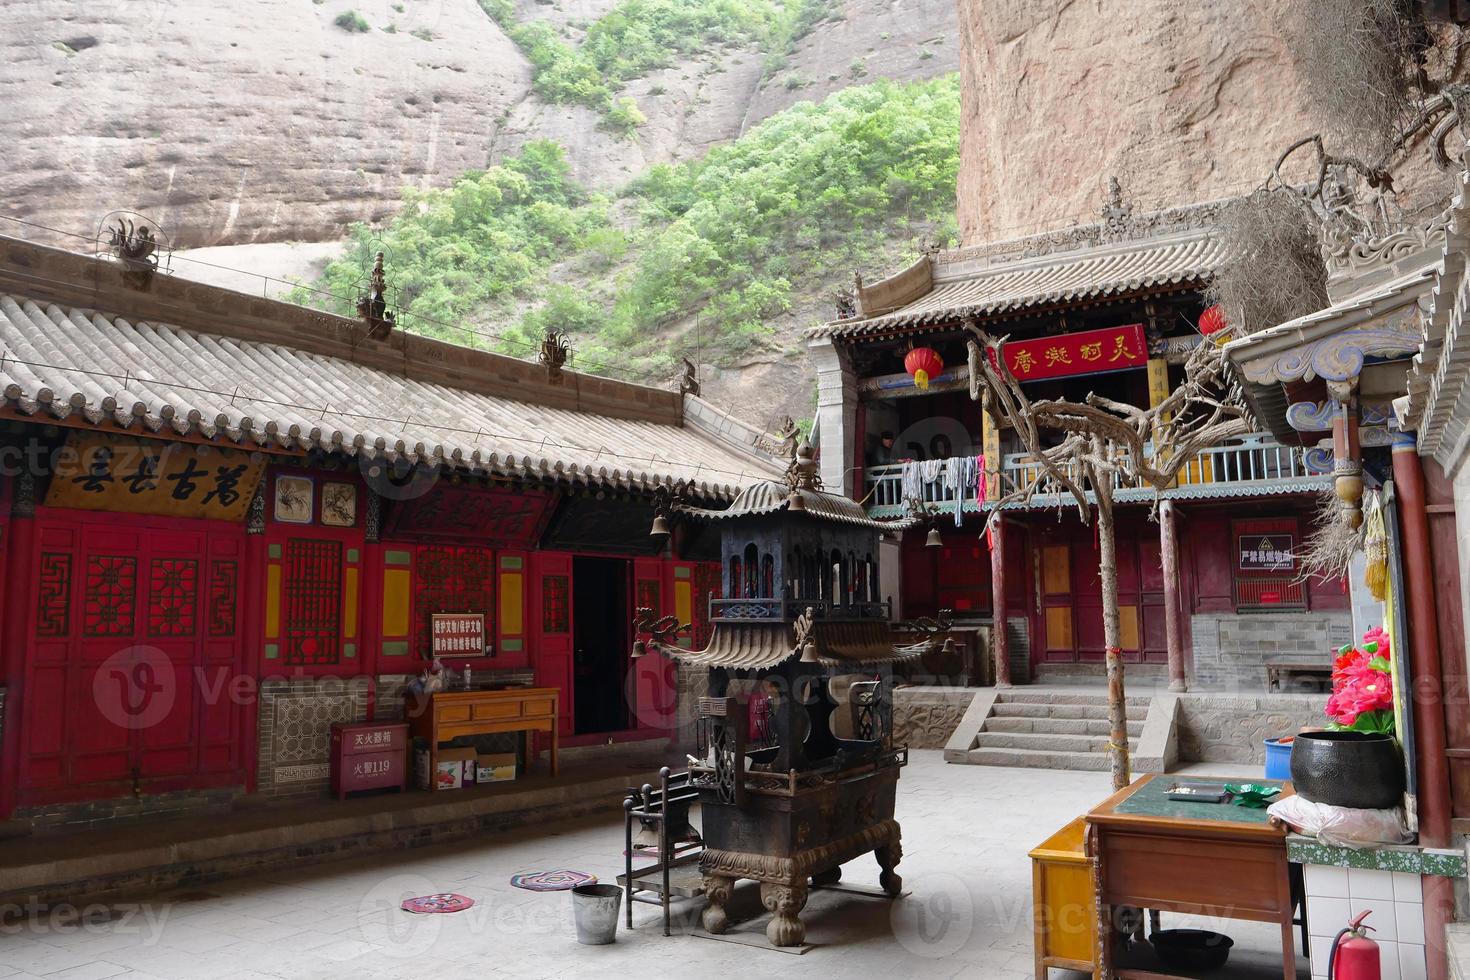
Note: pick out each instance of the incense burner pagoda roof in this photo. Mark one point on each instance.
(770, 497)
(764, 645)
(257, 373)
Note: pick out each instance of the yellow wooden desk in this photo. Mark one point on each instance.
(1192, 858)
(449, 714)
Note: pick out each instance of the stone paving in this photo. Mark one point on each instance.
(966, 833)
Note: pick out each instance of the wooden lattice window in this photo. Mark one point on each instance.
(451, 579)
(556, 604)
(110, 604)
(224, 581)
(312, 601)
(173, 593)
(53, 595)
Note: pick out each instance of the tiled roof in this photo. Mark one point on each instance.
(768, 497)
(64, 362)
(963, 288)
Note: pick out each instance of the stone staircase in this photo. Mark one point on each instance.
(1049, 730)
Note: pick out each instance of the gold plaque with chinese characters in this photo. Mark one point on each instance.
(96, 471)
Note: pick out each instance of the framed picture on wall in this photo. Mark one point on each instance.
(294, 498)
(339, 504)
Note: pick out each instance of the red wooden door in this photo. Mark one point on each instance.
(1059, 639)
(655, 692)
(133, 657)
(1154, 636)
(551, 618)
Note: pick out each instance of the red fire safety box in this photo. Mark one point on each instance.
(369, 755)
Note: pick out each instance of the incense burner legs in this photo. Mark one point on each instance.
(784, 900)
(784, 880)
(717, 888)
(888, 857)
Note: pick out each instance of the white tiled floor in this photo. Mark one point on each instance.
(967, 830)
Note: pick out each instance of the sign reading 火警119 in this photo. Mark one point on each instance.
(1088, 352)
(457, 634)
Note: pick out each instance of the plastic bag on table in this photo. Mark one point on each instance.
(1342, 826)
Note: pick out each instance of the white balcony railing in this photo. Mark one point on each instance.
(1234, 468)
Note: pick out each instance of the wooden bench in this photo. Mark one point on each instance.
(1275, 672)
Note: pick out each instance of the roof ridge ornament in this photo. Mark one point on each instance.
(372, 306)
(1117, 214)
(802, 474)
(554, 354)
(135, 241)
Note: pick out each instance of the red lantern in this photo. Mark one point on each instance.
(924, 364)
(1211, 320)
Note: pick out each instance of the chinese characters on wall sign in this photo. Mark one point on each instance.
(119, 473)
(457, 634)
(1266, 552)
(1088, 352)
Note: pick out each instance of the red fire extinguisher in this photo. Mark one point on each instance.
(1356, 956)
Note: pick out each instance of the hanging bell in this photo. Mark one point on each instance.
(795, 502)
(639, 649)
(809, 652)
(660, 527)
(933, 540)
(948, 647)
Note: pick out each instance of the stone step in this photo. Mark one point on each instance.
(1046, 743)
(1059, 726)
(1088, 697)
(1021, 709)
(1032, 759)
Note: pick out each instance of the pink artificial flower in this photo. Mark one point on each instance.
(1380, 636)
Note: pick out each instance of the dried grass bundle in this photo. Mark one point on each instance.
(1364, 60)
(1328, 550)
(1275, 270)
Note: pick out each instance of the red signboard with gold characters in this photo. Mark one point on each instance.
(1088, 352)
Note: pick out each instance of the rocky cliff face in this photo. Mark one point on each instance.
(1182, 102)
(242, 122)
(268, 121)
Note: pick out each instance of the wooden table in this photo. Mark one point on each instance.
(1193, 858)
(450, 714)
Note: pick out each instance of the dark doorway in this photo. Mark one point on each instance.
(601, 642)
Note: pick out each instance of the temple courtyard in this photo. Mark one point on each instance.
(967, 830)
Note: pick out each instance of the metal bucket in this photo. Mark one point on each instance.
(595, 911)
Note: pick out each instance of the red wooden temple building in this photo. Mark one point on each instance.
(1113, 308)
(226, 523)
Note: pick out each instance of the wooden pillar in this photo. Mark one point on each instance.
(1173, 637)
(1347, 467)
(1428, 694)
(990, 446)
(999, 642)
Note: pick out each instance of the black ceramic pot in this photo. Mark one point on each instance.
(1355, 769)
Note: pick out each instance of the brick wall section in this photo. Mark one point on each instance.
(1018, 635)
(97, 814)
(295, 735)
(1231, 650)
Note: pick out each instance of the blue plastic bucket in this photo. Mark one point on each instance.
(1278, 759)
